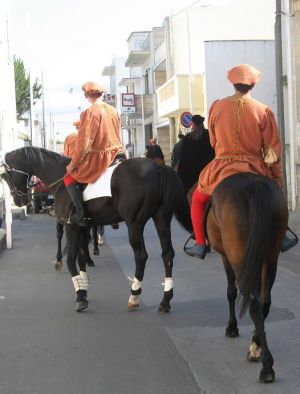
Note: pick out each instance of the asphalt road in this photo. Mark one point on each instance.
(48, 348)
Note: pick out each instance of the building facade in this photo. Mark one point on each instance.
(8, 137)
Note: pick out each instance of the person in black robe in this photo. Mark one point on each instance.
(196, 153)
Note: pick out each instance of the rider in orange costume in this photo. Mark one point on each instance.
(245, 137)
(70, 142)
(98, 142)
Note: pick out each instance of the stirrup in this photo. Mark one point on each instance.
(288, 243)
(197, 251)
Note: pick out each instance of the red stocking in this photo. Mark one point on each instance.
(199, 201)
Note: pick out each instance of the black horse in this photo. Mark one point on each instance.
(140, 190)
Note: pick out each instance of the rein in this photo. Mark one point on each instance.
(55, 182)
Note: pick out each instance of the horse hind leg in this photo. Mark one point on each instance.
(267, 374)
(95, 240)
(162, 223)
(101, 235)
(232, 330)
(59, 235)
(136, 239)
(254, 353)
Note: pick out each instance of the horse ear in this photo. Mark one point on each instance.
(3, 169)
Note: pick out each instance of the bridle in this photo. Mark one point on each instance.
(5, 173)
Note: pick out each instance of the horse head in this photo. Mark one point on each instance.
(18, 182)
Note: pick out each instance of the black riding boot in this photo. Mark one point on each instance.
(76, 197)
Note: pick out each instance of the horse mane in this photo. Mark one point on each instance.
(40, 153)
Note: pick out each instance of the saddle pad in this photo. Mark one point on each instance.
(101, 188)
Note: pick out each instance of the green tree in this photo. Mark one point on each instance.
(22, 86)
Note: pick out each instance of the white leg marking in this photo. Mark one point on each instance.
(168, 284)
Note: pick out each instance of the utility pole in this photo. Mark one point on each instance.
(43, 115)
(30, 77)
(279, 88)
(190, 59)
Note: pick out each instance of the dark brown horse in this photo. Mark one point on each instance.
(246, 224)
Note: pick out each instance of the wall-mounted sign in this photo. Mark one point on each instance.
(128, 100)
(186, 119)
(128, 110)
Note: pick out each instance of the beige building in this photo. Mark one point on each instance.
(289, 19)
(168, 67)
(295, 8)
(186, 34)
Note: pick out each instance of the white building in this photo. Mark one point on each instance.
(116, 72)
(187, 35)
(8, 138)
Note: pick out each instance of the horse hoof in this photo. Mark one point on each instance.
(81, 306)
(90, 263)
(132, 307)
(254, 353)
(58, 266)
(96, 252)
(253, 358)
(267, 376)
(232, 332)
(164, 308)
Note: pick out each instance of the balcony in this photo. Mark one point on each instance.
(139, 48)
(173, 97)
(108, 71)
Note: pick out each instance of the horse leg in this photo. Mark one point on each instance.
(84, 249)
(267, 374)
(232, 328)
(95, 240)
(59, 235)
(162, 223)
(136, 239)
(80, 280)
(101, 235)
(254, 353)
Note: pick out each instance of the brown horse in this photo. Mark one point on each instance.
(246, 224)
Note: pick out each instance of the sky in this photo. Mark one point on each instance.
(71, 41)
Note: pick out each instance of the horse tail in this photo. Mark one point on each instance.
(260, 212)
(174, 197)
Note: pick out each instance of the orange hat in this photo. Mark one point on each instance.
(243, 73)
(92, 86)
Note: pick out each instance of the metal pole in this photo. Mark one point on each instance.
(190, 60)
(291, 100)
(30, 77)
(142, 103)
(279, 88)
(43, 115)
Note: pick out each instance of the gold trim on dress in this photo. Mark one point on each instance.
(270, 157)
